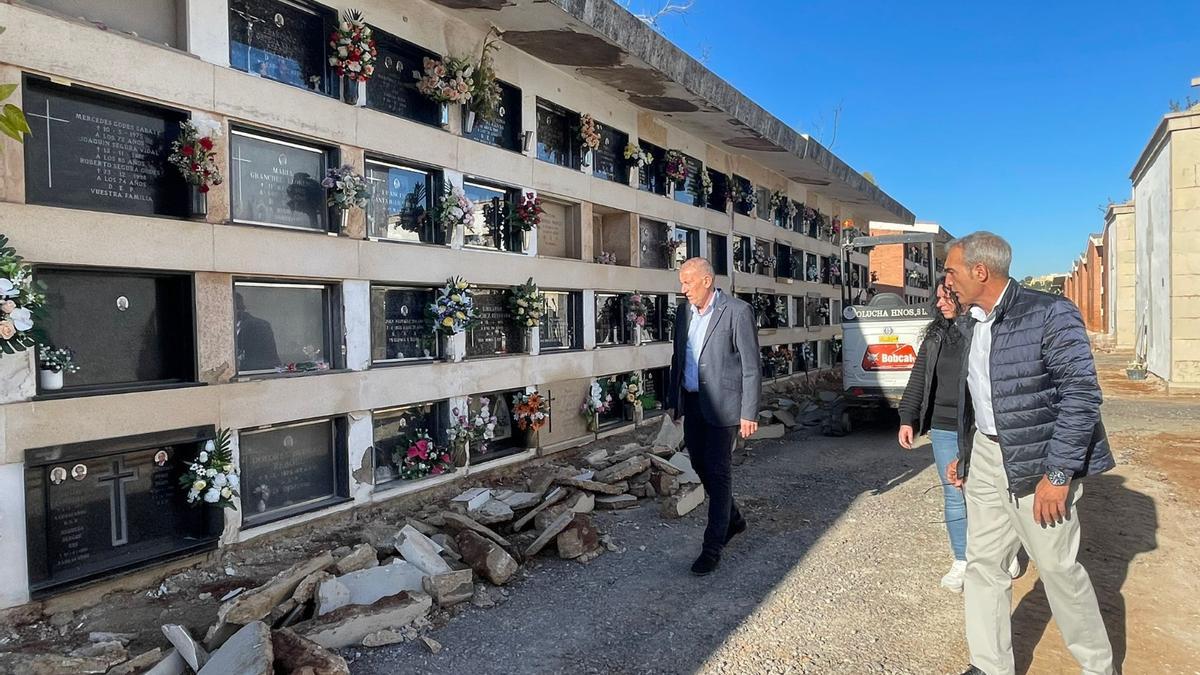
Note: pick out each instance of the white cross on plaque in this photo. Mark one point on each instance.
(49, 118)
(237, 197)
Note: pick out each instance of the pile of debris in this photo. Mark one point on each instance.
(382, 588)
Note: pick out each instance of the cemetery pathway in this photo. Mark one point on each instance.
(839, 572)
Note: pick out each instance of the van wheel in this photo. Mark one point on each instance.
(847, 427)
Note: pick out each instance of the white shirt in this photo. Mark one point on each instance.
(979, 366)
(697, 329)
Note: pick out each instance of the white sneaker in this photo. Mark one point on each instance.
(1014, 568)
(953, 581)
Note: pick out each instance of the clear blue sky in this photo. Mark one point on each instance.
(1021, 117)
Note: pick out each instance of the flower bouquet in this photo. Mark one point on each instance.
(671, 247)
(606, 258)
(472, 430)
(638, 310)
(706, 184)
(454, 209)
(346, 189)
(763, 259)
(531, 412)
(636, 156)
(352, 44)
(597, 402)
(677, 168)
(527, 304)
(212, 476)
(422, 457)
(446, 80)
(21, 301)
(744, 196)
(485, 94)
(589, 133)
(526, 214)
(54, 363)
(453, 311)
(192, 154)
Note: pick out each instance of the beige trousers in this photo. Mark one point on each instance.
(997, 525)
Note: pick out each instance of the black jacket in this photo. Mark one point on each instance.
(916, 406)
(1045, 394)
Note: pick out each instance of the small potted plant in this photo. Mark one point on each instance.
(53, 363)
(346, 189)
(352, 55)
(1136, 370)
(531, 412)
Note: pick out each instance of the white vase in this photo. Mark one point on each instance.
(586, 161)
(468, 120)
(50, 380)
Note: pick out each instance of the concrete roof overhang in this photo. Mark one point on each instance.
(602, 42)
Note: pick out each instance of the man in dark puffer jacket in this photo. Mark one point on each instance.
(1029, 429)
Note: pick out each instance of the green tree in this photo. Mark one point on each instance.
(12, 120)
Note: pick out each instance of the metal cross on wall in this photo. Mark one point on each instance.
(118, 476)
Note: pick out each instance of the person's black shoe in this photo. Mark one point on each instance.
(734, 530)
(973, 671)
(705, 564)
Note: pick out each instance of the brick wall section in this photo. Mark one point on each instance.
(887, 265)
(1093, 317)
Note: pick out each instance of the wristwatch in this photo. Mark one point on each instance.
(1058, 477)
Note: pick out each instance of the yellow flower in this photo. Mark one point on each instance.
(199, 485)
(448, 321)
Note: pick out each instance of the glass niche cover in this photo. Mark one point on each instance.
(283, 327)
(401, 204)
(277, 182)
(490, 227)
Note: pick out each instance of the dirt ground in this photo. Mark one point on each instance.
(838, 572)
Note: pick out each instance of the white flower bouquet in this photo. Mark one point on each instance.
(212, 478)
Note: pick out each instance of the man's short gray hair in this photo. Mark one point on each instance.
(701, 265)
(987, 249)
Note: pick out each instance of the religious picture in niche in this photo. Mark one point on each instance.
(275, 182)
(489, 227)
(503, 442)
(393, 89)
(399, 328)
(282, 327)
(287, 467)
(99, 152)
(400, 204)
(279, 40)
(94, 508)
(494, 332)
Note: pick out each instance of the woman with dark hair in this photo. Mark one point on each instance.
(930, 405)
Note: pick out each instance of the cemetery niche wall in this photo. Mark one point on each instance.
(282, 40)
(275, 181)
(293, 468)
(97, 508)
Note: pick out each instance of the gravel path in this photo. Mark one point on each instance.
(838, 573)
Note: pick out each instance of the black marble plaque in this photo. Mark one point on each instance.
(102, 153)
(718, 199)
(275, 182)
(504, 131)
(558, 139)
(688, 192)
(717, 254)
(281, 40)
(393, 89)
(652, 177)
(608, 161)
(126, 329)
(495, 332)
(400, 204)
(400, 329)
(279, 324)
(288, 469)
(652, 239)
(95, 509)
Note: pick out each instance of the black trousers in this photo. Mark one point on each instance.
(711, 451)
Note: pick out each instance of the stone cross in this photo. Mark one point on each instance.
(117, 477)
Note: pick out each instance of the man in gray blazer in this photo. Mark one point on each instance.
(714, 385)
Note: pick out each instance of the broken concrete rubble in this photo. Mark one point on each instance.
(486, 557)
(670, 434)
(422, 552)
(558, 525)
(556, 495)
(492, 512)
(611, 502)
(366, 587)
(191, 651)
(362, 557)
(579, 537)
(519, 501)
(255, 604)
(684, 464)
(663, 465)
(248, 652)
(683, 502)
(294, 653)
(460, 522)
(593, 486)
(626, 469)
(349, 625)
(450, 588)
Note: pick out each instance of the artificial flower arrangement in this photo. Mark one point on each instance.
(346, 188)
(57, 359)
(706, 184)
(835, 274)
(527, 212)
(631, 390)
(778, 200)
(527, 303)
(485, 86)
(21, 300)
(353, 45)
(446, 80)
(531, 411)
(671, 246)
(454, 209)
(636, 156)
(589, 133)
(763, 258)
(781, 310)
(192, 153)
(764, 309)
(473, 431)
(596, 403)
(453, 311)
(421, 457)
(212, 478)
(677, 168)
(638, 310)
(807, 216)
(606, 258)
(743, 195)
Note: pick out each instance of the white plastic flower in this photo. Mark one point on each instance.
(8, 289)
(234, 481)
(212, 496)
(226, 493)
(203, 457)
(199, 485)
(22, 318)
(211, 472)
(220, 480)
(210, 446)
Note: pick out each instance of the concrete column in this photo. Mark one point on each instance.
(589, 319)
(215, 341)
(359, 439)
(18, 377)
(14, 583)
(207, 29)
(356, 308)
